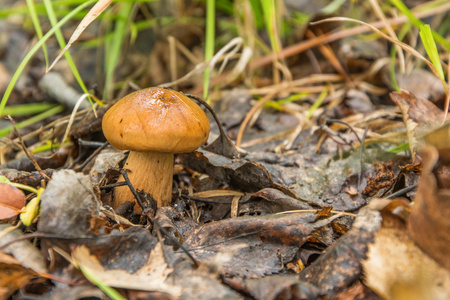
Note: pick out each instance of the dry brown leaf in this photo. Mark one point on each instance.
(95, 11)
(419, 115)
(397, 269)
(12, 275)
(429, 222)
(151, 277)
(420, 110)
(439, 139)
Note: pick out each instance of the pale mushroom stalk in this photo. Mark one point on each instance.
(151, 172)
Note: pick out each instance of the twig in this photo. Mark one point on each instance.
(91, 157)
(113, 185)
(123, 172)
(402, 191)
(252, 112)
(177, 242)
(223, 138)
(25, 149)
(346, 124)
(361, 158)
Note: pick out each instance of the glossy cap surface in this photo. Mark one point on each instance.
(156, 119)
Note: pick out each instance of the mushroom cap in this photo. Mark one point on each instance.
(156, 119)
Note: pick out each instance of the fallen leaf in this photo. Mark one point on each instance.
(150, 277)
(397, 269)
(12, 275)
(269, 241)
(67, 203)
(12, 200)
(23, 251)
(340, 266)
(419, 115)
(281, 287)
(429, 222)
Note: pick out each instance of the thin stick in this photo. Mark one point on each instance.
(25, 149)
(361, 157)
(177, 242)
(327, 38)
(113, 185)
(250, 114)
(402, 191)
(346, 124)
(91, 157)
(211, 110)
(123, 172)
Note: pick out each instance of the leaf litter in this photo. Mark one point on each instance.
(290, 199)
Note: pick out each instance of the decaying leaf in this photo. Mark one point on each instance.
(409, 124)
(12, 275)
(23, 251)
(340, 266)
(439, 138)
(396, 268)
(417, 112)
(247, 175)
(204, 282)
(280, 287)
(269, 241)
(318, 183)
(66, 204)
(150, 277)
(429, 223)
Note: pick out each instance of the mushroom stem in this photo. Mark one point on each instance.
(151, 172)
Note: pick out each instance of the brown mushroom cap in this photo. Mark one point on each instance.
(156, 119)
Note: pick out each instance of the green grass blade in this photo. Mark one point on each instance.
(47, 147)
(26, 109)
(332, 7)
(270, 17)
(39, 8)
(114, 47)
(399, 148)
(37, 27)
(109, 291)
(417, 22)
(316, 104)
(209, 43)
(392, 74)
(225, 6)
(62, 44)
(257, 13)
(32, 120)
(430, 46)
(35, 48)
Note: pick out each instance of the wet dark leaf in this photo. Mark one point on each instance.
(264, 243)
(280, 287)
(340, 266)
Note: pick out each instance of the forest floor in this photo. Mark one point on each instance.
(324, 175)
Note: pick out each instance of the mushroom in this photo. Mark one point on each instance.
(154, 124)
